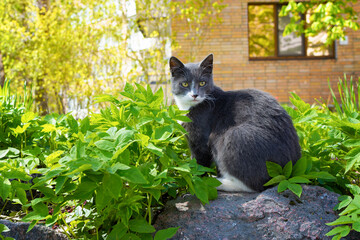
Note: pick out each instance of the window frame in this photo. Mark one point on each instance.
(276, 40)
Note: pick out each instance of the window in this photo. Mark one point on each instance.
(266, 40)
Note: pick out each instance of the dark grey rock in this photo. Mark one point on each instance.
(18, 231)
(266, 215)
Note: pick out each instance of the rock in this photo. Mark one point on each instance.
(265, 215)
(18, 231)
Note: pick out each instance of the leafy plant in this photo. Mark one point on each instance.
(290, 177)
(350, 215)
(107, 175)
(4, 228)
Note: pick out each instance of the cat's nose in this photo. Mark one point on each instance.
(195, 96)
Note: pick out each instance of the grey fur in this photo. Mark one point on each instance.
(238, 130)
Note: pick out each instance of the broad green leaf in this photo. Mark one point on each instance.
(201, 191)
(321, 175)
(105, 145)
(163, 133)
(356, 226)
(48, 128)
(20, 130)
(40, 211)
(154, 149)
(52, 158)
(5, 188)
(341, 220)
(299, 179)
(283, 185)
(273, 169)
(295, 188)
(27, 117)
(118, 231)
(85, 125)
(287, 169)
(3, 153)
(352, 158)
(275, 180)
(132, 175)
(300, 167)
(113, 183)
(141, 226)
(165, 234)
(102, 198)
(3, 228)
(338, 230)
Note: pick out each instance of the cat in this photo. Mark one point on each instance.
(237, 130)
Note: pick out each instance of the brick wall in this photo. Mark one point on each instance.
(233, 69)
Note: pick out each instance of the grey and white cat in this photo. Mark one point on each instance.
(237, 130)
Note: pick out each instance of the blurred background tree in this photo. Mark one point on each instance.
(332, 18)
(70, 51)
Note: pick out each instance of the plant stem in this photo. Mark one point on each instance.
(7, 200)
(70, 230)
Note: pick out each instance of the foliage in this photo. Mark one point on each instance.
(330, 143)
(198, 17)
(290, 177)
(331, 17)
(73, 51)
(4, 228)
(105, 176)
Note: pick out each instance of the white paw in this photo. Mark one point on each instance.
(232, 184)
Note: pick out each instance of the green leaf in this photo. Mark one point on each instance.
(105, 145)
(283, 185)
(273, 169)
(295, 188)
(299, 179)
(141, 226)
(85, 125)
(201, 191)
(352, 158)
(165, 234)
(113, 183)
(341, 220)
(132, 175)
(275, 180)
(27, 117)
(300, 167)
(339, 230)
(5, 188)
(118, 231)
(356, 226)
(321, 175)
(152, 148)
(3, 228)
(102, 198)
(40, 211)
(4, 152)
(163, 133)
(287, 169)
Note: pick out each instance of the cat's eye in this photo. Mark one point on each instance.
(184, 84)
(202, 83)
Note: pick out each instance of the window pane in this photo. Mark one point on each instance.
(261, 30)
(291, 44)
(316, 44)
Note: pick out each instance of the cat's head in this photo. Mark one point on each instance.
(191, 83)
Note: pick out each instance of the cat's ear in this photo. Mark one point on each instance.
(175, 64)
(207, 63)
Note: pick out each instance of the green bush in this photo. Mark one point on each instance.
(330, 142)
(102, 177)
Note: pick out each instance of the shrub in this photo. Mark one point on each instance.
(104, 176)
